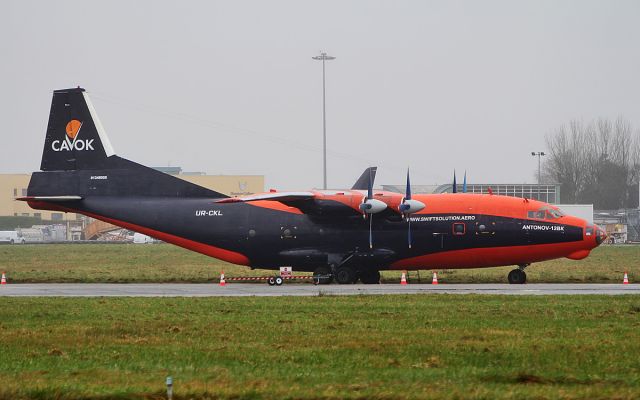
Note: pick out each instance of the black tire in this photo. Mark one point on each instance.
(517, 277)
(370, 277)
(11, 242)
(346, 275)
(271, 281)
(279, 280)
(322, 276)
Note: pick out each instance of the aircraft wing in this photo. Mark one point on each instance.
(310, 203)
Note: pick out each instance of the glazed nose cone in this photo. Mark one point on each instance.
(601, 235)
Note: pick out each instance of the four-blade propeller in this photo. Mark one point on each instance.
(371, 206)
(409, 206)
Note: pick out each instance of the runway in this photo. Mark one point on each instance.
(263, 290)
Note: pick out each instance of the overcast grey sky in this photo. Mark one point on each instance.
(230, 87)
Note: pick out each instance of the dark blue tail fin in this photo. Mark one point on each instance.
(78, 159)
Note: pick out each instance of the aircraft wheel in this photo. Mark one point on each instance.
(11, 242)
(370, 277)
(346, 275)
(279, 280)
(517, 276)
(271, 281)
(322, 276)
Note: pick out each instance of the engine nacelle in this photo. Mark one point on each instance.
(411, 206)
(372, 206)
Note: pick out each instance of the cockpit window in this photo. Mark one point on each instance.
(536, 214)
(545, 213)
(555, 213)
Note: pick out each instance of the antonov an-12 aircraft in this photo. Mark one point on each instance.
(342, 235)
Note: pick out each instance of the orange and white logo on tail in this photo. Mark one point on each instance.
(71, 141)
(73, 127)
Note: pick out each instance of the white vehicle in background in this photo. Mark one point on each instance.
(35, 234)
(139, 238)
(11, 237)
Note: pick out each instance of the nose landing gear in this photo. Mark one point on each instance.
(518, 276)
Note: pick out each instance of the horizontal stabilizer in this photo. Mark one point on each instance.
(50, 198)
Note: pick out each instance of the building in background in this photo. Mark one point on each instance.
(549, 193)
(584, 211)
(15, 185)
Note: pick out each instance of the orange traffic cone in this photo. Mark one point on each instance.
(403, 278)
(435, 279)
(222, 282)
(4, 279)
(625, 281)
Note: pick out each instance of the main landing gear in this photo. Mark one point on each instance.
(322, 276)
(345, 275)
(518, 276)
(370, 277)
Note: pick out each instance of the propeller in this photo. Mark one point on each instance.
(455, 186)
(464, 183)
(409, 206)
(370, 206)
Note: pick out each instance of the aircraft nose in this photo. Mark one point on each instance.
(601, 234)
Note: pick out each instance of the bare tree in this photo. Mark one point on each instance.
(597, 162)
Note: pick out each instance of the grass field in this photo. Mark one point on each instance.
(167, 263)
(364, 347)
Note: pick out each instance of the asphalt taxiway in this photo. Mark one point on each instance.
(248, 289)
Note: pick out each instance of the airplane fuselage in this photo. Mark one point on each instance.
(453, 231)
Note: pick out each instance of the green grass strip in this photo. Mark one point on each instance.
(358, 347)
